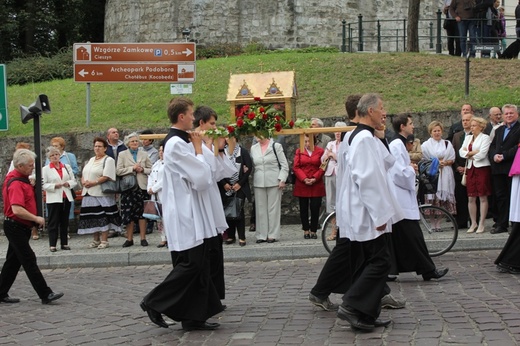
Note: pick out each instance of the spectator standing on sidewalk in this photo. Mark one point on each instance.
(19, 216)
(153, 154)
(58, 182)
(154, 189)
(501, 155)
(309, 186)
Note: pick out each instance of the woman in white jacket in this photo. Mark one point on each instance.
(154, 188)
(478, 172)
(58, 180)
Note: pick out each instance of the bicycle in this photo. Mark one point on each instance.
(437, 224)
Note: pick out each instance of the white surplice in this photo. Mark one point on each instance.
(221, 167)
(185, 175)
(403, 177)
(364, 199)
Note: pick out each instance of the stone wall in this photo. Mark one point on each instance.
(276, 24)
(81, 145)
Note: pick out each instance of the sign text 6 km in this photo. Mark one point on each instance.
(123, 72)
(134, 52)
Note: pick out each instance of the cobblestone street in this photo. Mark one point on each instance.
(267, 305)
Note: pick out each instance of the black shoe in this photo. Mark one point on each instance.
(260, 241)
(435, 274)
(391, 278)
(128, 243)
(382, 323)
(65, 247)
(230, 241)
(314, 235)
(270, 241)
(153, 315)
(9, 300)
(199, 325)
(144, 242)
(252, 228)
(52, 297)
(498, 230)
(507, 269)
(162, 245)
(354, 318)
(242, 243)
(307, 236)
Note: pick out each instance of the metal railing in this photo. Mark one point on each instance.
(391, 35)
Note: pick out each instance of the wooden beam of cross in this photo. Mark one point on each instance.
(287, 132)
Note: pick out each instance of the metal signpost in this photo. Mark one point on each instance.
(133, 63)
(3, 100)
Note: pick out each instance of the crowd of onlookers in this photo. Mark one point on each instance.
(480, 150)
(482, 20)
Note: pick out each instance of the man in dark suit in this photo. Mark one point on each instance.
(501, 155)
(457, 127)
(461, 194)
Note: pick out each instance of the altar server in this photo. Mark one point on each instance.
(365, 207)
(187, 294)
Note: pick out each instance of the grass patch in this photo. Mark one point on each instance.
(408, 83)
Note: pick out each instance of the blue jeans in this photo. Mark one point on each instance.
(466, 26)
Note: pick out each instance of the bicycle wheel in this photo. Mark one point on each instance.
(329, 226)
(439, 229)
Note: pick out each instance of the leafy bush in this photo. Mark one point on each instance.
(218, 50)
(36, 69)
(254, 47)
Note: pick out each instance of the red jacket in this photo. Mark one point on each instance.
(306, 166)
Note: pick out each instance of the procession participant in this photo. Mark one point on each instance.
(19, 217)
(205, 119)
(411, 253)
(187, 294)
(365, 219)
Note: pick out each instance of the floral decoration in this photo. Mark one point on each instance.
(263, 121)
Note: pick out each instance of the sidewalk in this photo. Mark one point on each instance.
(290, 246)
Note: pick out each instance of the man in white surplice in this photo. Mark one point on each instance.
(191, 219)
(365, 206)
(221, 167)
(411, 253)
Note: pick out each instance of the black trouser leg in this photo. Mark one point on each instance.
(304, 212)
(315, 205)
(19, 253)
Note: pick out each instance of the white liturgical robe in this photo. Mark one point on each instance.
(403, 177)
(185, 175)
(364, 199)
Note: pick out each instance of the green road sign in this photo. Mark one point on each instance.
(3, 99)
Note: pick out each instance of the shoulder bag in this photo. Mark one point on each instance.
(108, 186)
(291, 178)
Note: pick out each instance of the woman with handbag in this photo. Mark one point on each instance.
(309, 186)
(133, 168)
(329, 164)
(478, 172)
(58, 182)
(271, 171)
(237, 187)
(99, 212)
(155, 189)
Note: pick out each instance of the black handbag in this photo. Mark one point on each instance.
(233, 207)
(127, 182)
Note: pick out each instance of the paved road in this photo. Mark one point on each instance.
(267, 305)
(291, 245)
